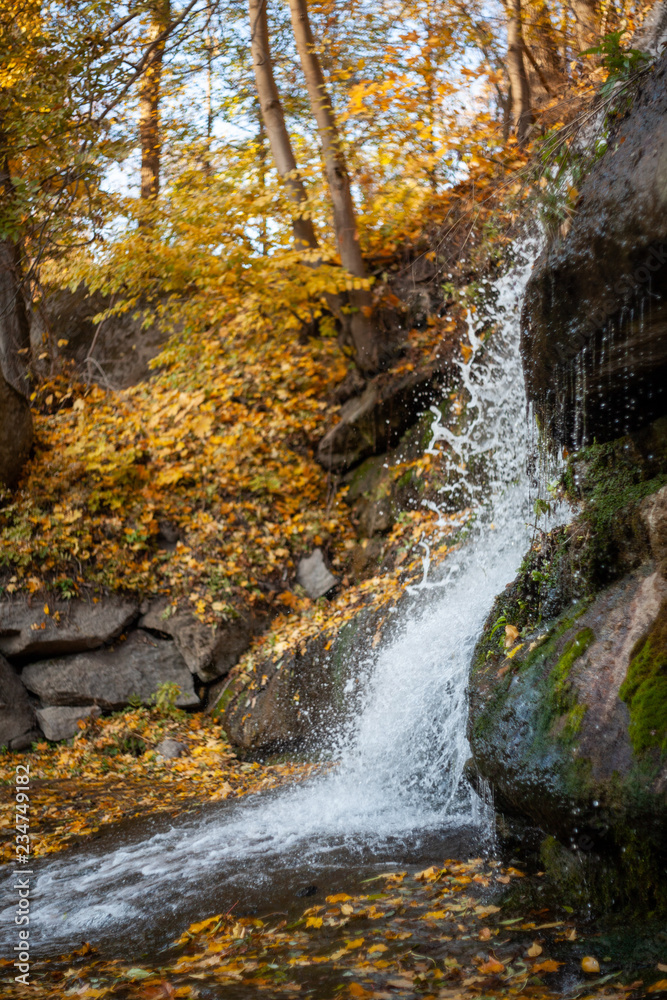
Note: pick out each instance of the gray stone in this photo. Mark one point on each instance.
(15, 433)
(170, 749)
(25, 740)
(61, 722)
(314, 576)
(17, 718)
(210, 651)
(28, 633)
(110, 677)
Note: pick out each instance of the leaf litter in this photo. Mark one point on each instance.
(433, 934)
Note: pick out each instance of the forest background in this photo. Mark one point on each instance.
(257, 180)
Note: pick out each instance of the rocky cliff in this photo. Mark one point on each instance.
(568, 689)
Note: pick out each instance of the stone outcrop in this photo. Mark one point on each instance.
(294, 700)
(376, 420)
(18, 725)
(568, 724)
(61, 722)
(116, 352)
(594, 327)
(109, 678)
(27, 632)
(210, 651)
(15, 434)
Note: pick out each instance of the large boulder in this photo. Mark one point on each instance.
(292, 698)
(568, 689)
(15, 434)
(210, 651)
(594, 326)
(18, 726)
(40, 629)
(109, 678)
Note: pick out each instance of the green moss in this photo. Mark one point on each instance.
(560, 675)
(645, 688)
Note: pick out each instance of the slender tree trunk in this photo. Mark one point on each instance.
(149, 104)
(585, 15)
(274, 122)
(542, 49)
(363, 331)
(15, 416)
(522, 116)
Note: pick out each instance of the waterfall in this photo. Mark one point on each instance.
(397, 784)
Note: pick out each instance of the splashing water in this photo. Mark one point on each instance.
(398, 780)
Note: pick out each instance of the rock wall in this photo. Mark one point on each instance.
(594, 327)
(61, 660)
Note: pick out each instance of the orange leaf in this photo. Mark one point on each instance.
(492, 967)
(590, 964)
(550, 965)
(356, 990)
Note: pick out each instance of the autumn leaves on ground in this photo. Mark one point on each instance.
(449, 932)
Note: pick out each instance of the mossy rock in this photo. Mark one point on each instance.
(569, 725)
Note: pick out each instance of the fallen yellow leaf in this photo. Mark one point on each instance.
(356, 990)
(314, 922)
(511, 635)
(590, 964)
(534, 950)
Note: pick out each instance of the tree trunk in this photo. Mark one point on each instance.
(522, 116)
(149, 103)
(274, 122)
(364, 334)
(585, 23)
(15, 415)
(542, 49)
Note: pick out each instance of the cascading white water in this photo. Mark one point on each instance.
(399, 771)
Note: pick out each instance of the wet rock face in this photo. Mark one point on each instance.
(568, 723)
(377, 419)
(594, 324)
